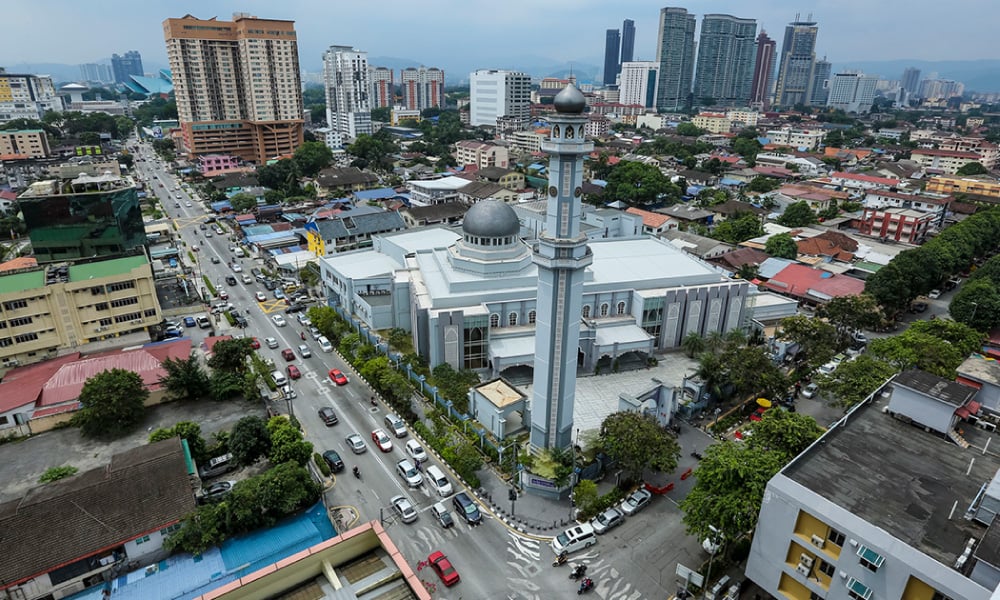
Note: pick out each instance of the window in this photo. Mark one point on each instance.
(870, 559)
(15, 304)
(531, 317)
(121, 285)
(621, 308)
(827, 569)
(168, 530)
(586, 311)
(512, 319)
(4, 342)
(494, 320)
(124, 302)
(128, 317)
(25, 337)
(835, 537)
(149, 312)
(604, 309)
(142, 540)
(858, 590)
(101, 306)
(20, 321)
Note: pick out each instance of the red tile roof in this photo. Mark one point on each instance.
(7, 195)
(866, 178)
(800, 281)
(649, 219)
(21, 262)
(951, 153)
(23, 385)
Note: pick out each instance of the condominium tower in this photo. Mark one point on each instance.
(348, 105)
(852, 92)
(126, 65)
(24, 96)
(638, 83)
(496, 94)
(725, 60)
(423, 88)
(763, 67)
(675, 53)
(383, 87)
(820, 83)
(237, 85)
(798, 60)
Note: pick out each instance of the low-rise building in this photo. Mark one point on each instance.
(597, 125)
(332, 182)
(808, 139)
(712, 122)
(946, 161)
(481, 154)
(476, 191)
(351, 230)
(508, 178)
(986, 151)
(24, 143)
(813, 286)
(211, 164)
(527, 141)
(445, 213)
(806, 165)
(937, 206)
(400, 114)
(652, 223)
(984, 186)
(740, 119)
(860, 181)
(898, 224)
(435, 191)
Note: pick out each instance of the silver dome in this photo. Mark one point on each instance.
(491, 219)
(570, 100)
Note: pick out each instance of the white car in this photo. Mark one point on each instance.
(237, 268)
(828, 368)
(416, 451)
(303, 319)
(934, 294)
(260, 296)
(187, 204)
(279, 320)
(404, 508)
(247, 278)
(271, 342)
(409, 473)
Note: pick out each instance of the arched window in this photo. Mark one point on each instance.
(586, 311)
(512, 319)
(555, 131)
(621, 308)
(494, 320)
(569, 133)
(604, 309)
(581, 131)
(531, 317)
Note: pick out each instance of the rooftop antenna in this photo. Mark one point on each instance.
(797, 17)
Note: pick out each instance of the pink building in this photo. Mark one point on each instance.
(217, 163)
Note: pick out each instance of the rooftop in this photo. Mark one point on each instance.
(82, 184)
(898, 478)
(951, 392)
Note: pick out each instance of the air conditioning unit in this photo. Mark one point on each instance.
(818, 541)
(806, 560)
(802, 569)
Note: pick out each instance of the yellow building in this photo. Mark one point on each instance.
(712, 122)
(63, 305)
(32, 143)
(949, 184)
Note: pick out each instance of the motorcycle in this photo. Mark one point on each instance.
(357, 472)
(586, 586)
(559, 560)
(696, 455)
(578, 572)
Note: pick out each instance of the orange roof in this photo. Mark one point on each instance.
(649, 219)
(859, 153)
(21, 262)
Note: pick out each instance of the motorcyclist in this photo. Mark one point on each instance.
(356, 471)
(586, 584)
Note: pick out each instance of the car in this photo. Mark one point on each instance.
(230, 280)
(409, 473)
(246, 278)
(467, 508)
(859, 338)
(218, 466)
(216, 260)
(279, 320)
(337, 377)
(289, 392)
(442, 515)
(258, 274)
(202, 226)
(810, 390)
(196, 248)
(315, 333)
(293, 372)
(333, 460)
(287, 354)
(303, 319)
(918, 307)
(177, 204)
(203, 322)
(416, 451)
(208, 234)
(404, 508)
(443, 567)
(271, 342)
(172, 332)
(240, 321)
(356, 443)
(255, 343)
(278, 294)
(190, 322)
(221, 307)
(237, 268)
(382, 440)
(828, 368)
(304, 351)
(187, 204)
(328, 416)
(260, 296)
(269, 284)
(215, 492)
(295, 308)
(934, 294)
(607, 520)
(223, 295)
(636, 501)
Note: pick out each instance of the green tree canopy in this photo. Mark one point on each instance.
(224, 385)
(187, 431)
(185, 378)
(916, 349)
(738, 229)
(781, 245)
(243, 202)
(784, 432)
(762, 184)
(231, 355)
(797, 215)
(816, 337)
(454, 385)
(689, 130)
(312, 157)
(112, 404)
(748, 149)
(287, 444)
(850, 313)
(972, 168)
(855, 380)
(283, 176)
(638, 183)
(249, 440)
(638, 442)
(977, 304)
(382, 114)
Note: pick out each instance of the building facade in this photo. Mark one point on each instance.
(237, 85)
(725, 60)
(125, 66)
(978, 186)
(628, 41)
(27, 143)
(798, 60)
(481, 154)
(496, 94)
(383, 88)
(821, 83)
(675, 54)
(63, 305)
(852, 92)
(763, 67)
(423, 88)
(348, 104)
(637, 83)
(945, 161)
(910, 81)
(96, 73)
(612, 46)
(712, 122)
(27, 96)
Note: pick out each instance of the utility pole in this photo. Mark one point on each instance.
(512, 495)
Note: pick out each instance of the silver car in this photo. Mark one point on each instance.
(304, 351)
(409, 473)
(404, 508)
(636, 501)
(607, 520)
(356, 443)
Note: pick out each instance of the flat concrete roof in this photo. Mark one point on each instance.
(899, 478)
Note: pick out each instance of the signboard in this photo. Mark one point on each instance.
(689, 575)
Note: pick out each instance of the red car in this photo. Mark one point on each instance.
(255, 343)
(287, 354)
(382, 440)
(293, 372)
(442, 566)
(336, 376)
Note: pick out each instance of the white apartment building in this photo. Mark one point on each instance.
(348, 103)
(496, 94)
(481, 154)
(423, 88)
(743, 118)
(852, 92)
(525, 141)
(27, 96)
(796, 138)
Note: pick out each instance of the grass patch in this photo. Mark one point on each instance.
(211, 288)
(191, 256)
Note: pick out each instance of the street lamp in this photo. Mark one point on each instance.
(716, 540)
(972, 318)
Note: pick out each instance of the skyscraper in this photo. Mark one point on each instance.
(910, 81)
(562, 256)
(495, 94)
(97, 73)
(798, 59)
(237, 85)
(124, 66)
(821, 83)
(628, 42)
(383, 87)
(348, 107)
(763, 66)
(725, 60)
(675, 53)
(852, 92)
(638, 83)
(612, 42)
(423, 88)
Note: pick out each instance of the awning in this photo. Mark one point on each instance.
(764, 402)
(962, 413)
(973, 407)
(969, 382)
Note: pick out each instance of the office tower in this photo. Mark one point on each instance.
(638, 83)
(675, 53)
(96, 73)
(763, 66)
(821, 83)
(124, 66)
(423, 88)
(798, 59)
(237, 85)
(910, 81)
(383, 87)
(495, 94)
(348, 108)
(612, 41)
(628, 42)
(852, 92)
(725, 60)
(562, 257)
(24, 96)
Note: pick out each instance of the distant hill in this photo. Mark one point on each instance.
(977, 75)
(63, 73)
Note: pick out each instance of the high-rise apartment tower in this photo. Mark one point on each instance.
(798, 60)
(348, 105)
(725, 60)
(675, 53)
(612, 44)
(763, 67)
(423, 88)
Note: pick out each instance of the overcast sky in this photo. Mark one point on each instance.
(435, 32)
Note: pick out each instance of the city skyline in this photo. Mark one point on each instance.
(854, 32)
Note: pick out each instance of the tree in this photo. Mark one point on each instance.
(243, 202)
(751, 371)
(283, 175)
(851, 313)
(383, 114)
(977, 304)
(585, 496)
(693, 344)
(855, 380)
(231, 355)
(287, 444)
(917, 350)
(185, 379)
(762, 184)
(223, 385)
(454, 385)
(797, 215)
(187, 431)
(312, 157)
(781, 245)
(112, 404)
(638, 183)
(971, 168)
(638, 442)
(815, 337)
(784, 432)
(689, 130)
(249, 440)
(738, 229)
(748, 149)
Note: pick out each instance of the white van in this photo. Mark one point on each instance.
(438, 481)
(395, 425)
(573, 539)
(324, 344)
(279, 378)
(239, 252)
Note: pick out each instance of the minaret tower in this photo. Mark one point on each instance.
(562, 258)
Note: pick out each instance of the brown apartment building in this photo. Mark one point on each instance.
(237, 85)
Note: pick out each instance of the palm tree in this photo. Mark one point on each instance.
(715, 341)
(711, 372)
(693, 344)
(736, 337)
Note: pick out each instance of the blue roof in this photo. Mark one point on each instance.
(763, 141)
(729, 181)
(149, 85)
(221, 206)
(378, 194)
(694, 189)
